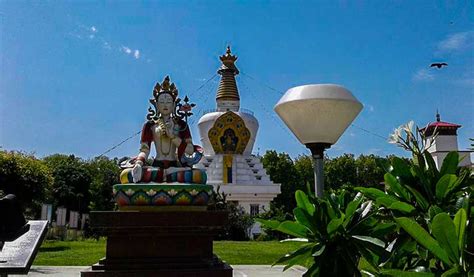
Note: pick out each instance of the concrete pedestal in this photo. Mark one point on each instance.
(169, 243)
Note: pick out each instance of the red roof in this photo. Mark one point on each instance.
(441, 125)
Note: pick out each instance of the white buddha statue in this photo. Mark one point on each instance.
(170, 134)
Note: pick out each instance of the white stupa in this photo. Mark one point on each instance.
(228, 135)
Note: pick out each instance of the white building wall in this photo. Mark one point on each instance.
(444, 143)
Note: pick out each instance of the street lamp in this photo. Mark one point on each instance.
(318, 115)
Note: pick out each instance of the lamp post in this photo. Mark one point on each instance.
(318, 115)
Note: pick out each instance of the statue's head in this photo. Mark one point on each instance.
(165, 97)
(165, 104)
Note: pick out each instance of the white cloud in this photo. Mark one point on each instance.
(456, 42)
(126, 50)
(423, 75)
(106, 45)
(91, 32)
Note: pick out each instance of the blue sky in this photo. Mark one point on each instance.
(75, 77)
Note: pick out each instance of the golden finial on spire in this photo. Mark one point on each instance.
(228, 59)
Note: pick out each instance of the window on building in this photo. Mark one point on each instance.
(254, 209)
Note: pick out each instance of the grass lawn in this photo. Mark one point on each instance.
(88, 252)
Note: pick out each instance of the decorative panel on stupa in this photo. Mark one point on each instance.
(229, 135)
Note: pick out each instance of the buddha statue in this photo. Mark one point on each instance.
(167, 129)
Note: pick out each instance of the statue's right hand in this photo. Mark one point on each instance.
(137, 173)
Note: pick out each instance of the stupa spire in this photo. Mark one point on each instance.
(227, 86)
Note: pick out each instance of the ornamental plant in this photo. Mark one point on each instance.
(417, 187)
(415, 193)
(337, 232)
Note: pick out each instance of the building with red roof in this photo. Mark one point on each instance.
(444, 139)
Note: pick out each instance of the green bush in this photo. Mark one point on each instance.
(26, 177)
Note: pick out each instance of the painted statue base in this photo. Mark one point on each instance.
(162, 196)
(177, 243)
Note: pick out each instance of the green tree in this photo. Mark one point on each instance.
(26, 177)
(340, 171)
(369, 170)
(281, 169)
(304, 167)
(104, 173)
(71, 183)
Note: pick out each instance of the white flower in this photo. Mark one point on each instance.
(172, 192)
(396, 135)
(151, 192)
(409, 126)
(194, 192)
(129, 192)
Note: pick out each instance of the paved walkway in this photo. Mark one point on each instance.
(239, 271)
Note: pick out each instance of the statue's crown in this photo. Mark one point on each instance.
(165, 87)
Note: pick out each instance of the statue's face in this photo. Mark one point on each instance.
(165, 104)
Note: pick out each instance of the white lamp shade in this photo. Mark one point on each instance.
(318, 113)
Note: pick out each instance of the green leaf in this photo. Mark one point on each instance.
(303, 202)
(386, 201)
(422, 237)
(444, 231)
(455, 271)
(456, 184)
(402, 207)
(401, 273)
(318, 250)
(272, 224)
(371, 193)
(328, 209)
(334, 224)
(433, 211)
(395, 186)
(462, 202)
(420, 199)
(460, 221)
(450, 163)
(350, 210)
(297, 256)
(431, 164)
(305, 219)
(443, 184)
(383, 229)
(293, 228)
(372, 240)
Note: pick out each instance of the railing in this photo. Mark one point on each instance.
(247, 111)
